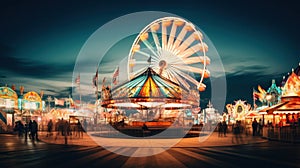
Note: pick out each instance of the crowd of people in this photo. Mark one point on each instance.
(30, 129)
(62, 127)
(238, 129)
(222, 128)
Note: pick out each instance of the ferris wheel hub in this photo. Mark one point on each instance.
(162, 64)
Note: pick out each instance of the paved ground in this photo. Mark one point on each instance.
(16, 152)
(204, 141)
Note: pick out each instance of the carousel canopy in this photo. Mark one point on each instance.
(150, 90)
(292, 86)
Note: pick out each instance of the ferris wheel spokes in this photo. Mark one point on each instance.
(177, 52)
(180, 37)
(186, 76)
(193, 49)
(148, 55)
(204, 72)
(164, 36)
(149, 46)
(137, 72)
(172, 36)
(185, 44)
(181, 76)
(156, 40)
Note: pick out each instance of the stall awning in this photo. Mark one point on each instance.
(286, 107)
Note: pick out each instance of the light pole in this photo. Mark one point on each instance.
(49, 99)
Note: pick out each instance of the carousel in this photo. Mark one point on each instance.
(154, 98)
(167, 65)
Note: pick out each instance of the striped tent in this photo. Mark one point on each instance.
(149, 90)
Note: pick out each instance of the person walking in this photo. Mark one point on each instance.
(79, 129)
(220, 129)
(237, 138)
(50, 127)
(34, 131)
(61, 126)
(224, 125)
(20, 128)
(26, 129)
(254, 127)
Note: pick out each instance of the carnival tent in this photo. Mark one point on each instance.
(150, 90)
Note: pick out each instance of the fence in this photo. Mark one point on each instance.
(286, 134)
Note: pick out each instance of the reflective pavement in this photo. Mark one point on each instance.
(15, 152)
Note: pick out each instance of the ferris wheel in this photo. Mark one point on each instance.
(174, 49)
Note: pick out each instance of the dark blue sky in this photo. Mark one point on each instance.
(40, 40)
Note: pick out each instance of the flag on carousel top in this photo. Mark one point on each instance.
(149, 59)
(95, 79)
(115, 76)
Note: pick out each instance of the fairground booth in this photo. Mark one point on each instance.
(209, 115)
(286, 112)
(8, 106)
(241, 111)
(19, 108)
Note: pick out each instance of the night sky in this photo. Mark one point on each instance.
(40, 40)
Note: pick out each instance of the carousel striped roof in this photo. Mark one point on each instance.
(150, 90)
(149, 85)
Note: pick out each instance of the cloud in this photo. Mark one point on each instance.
(246, 69)
(236, 65)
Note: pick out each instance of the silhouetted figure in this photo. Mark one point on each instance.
(145, 130)
(61, 124)
(224, 125)
(254, 127)
(26, 129)
(34, 130)
(49, 129)
(19, 127)
(220, 129)
(67, 128)
(144, 127)
(79, 129)
(237, 133)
